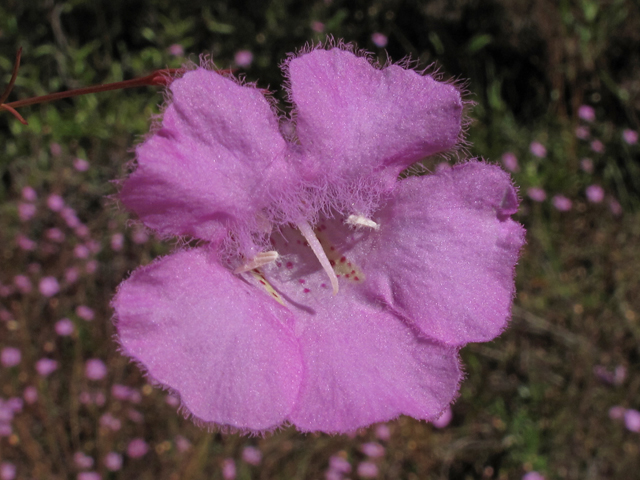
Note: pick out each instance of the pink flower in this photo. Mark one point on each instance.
(46, 366)
(55, 203)
(632, 420)
(7, 471)
(586, 113)
(22, 283)
(537, 194)
(95, 369)
(30, 394)
(595, 193)
(26, 211)
(615, 207)
(81, 165)
(339, 464)
(228, 469)
(616, 412)
(176, 50)
(29, 194)
(538, 149)
(88, 476)
(630, 136)
(367, 470)
(444, 420)
(113, 461)
(561, 203)
(243, 58)
(137, 448)
(55, 149)
(117, 241)
(317, 27)
(109, 421)
(252, 455)
(82, 461)
(379, 40)
(582, 132)
(10, 357)
(597, 146)
(351, 292)
(49, 286)
(372, 449)
(85, 313)
(71, 274)
(64, 327)
(55, 235)
(182, 444)
(510, 162)
(533, 476)
(383, 432)
(586, 164)
(25, 243)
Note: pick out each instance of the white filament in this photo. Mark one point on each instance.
(360, 221)
(314, 243)
(259, 260)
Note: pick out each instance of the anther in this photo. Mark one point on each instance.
(361, 221)
(314, 244)
(263, 258)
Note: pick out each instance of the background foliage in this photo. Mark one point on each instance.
(531, 400)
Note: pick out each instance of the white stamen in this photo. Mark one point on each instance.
(314, 243)
(361, 221)
(259, 260)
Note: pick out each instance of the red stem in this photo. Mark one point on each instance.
(159, 77)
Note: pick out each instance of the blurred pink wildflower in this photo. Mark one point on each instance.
(379, 40)
(562, 203)
(48, 286)
(597, 146)
(26, 211)
(628, 135)
(243, 58)
(113, 461)
(367, 470)
(510, 162)
(85, 313)
(29, 194)
(10, 357)
(444, 420)
(538, 149)
(55, 202)
(586, 164)
(95, 369)
(252, 455)
(632, 420)
(537, 194)
(594, 193)
(326, 293)
(228, 469)
(137, 448)
(176, 50)
(586, 113)
(582, 132)
(372, 449)
(81, 165)
(8, 471)
(46, 366)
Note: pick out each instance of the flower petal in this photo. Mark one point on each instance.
(361, 364)
(226, 348)
(354, 119)
(445, 254)
(214, 162)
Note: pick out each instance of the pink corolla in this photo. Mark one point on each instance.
(326, 292)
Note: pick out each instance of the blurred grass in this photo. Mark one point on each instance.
(531, 400)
